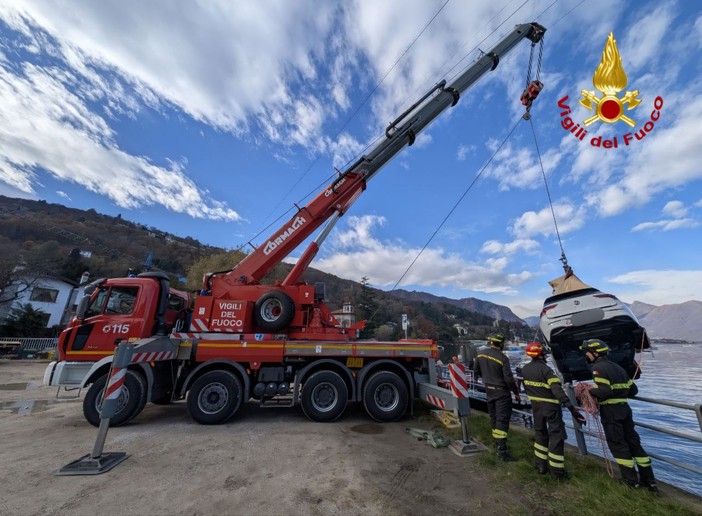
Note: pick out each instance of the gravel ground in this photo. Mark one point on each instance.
(264, 462)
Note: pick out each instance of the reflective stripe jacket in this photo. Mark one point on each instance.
(542, 384)
(612, 383)
(493, 366)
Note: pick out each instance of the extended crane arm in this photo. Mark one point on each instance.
(335, 200)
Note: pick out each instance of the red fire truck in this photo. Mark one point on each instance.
(277, 344)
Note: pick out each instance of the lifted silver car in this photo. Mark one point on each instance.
(577, 312)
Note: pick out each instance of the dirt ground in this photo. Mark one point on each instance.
(266, 461)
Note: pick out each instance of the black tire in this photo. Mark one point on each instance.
(324, 396)
(274, 311)
(214, 398)
(385, 397)
(130, 402)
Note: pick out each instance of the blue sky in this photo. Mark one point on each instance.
(211, 119)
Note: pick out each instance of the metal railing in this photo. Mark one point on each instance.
(36, 345)
(477, 392)
(697, 409)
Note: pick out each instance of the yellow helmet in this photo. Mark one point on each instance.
(496, 339)
(595, 346)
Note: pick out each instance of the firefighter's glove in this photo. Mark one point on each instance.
(578, 415)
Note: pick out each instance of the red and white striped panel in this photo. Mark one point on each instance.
(198, 325)
(459, 380)
(154, 356)
(183, 335)
(115, 384)
(436, 401)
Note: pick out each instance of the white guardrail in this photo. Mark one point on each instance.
(31, 344)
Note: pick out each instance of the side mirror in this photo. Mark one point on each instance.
(82, 309)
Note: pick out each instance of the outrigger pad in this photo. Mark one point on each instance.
(92, 466)
(465, 449)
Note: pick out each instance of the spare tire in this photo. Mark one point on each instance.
(274, 311)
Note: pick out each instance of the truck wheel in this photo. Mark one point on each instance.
(385, 397)
(214, 398)
(131, 399)
(274, 311)
(324, 396)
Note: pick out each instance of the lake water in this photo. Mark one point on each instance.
(672, 372)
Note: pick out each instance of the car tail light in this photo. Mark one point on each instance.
(605, 295)
(547, 308)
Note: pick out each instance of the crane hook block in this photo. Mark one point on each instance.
(531, 92)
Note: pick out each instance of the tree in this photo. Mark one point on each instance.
(367, 307)
(24, 321)
(387, 332)
(224, 262)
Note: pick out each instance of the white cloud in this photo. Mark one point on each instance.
(643, 40)
(357, 253)
(464, 151)
(63, 194)
(495, 247)
(659, 287)
(531, 223)
(666, 225)
(45, 124)
(675, 208)
(145, 44)
(519, 167)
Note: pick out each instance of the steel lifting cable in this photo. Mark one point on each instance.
(563, 258)
(358, 108)
(453, 208)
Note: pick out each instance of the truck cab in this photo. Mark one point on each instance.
(113, 311)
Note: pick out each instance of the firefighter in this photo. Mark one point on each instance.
(544, 390)
(493, 366)
(612, 388)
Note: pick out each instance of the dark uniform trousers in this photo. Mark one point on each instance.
(549, 435)
(493, 366)
(625, 444)
(612, 388)
(499, 404)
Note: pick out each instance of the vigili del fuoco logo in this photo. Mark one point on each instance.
(610, 79)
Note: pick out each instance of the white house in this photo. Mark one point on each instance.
(346, 316)
(47, 292)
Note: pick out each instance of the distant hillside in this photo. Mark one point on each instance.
(69, 241)
(678, 321)
(532, 320)
(472, 304)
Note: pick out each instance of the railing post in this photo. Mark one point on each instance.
(459, 388)
(698, 413)
(98, 462)
(579, 435)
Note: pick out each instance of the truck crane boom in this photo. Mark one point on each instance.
(291, 305)
(336, 199)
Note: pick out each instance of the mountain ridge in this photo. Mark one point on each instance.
(682, 321)
(497, 312)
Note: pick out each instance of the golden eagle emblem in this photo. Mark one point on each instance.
(610, 79)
